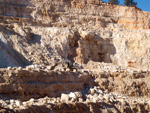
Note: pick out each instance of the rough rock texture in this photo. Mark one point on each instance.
(110, 43)
(24, 84)
(50, 91)
(42, 31)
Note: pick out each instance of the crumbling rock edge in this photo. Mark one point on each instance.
(32, 90)
(109, 42)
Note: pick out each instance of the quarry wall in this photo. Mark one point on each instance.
(43, 31)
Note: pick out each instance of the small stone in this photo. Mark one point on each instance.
(9, 68)
(10, 74)
(78, 94)
(67, 69)
(63, 69)
(106, 97)
(72, 95)
(100, 91)
(82, 70)
(7, 101)
(12, 101)
(42, 67)
(73, 99)
(49, 67)
(38, 69)
(95, 100)
(14, 68)
(80, 99)
(100, 97)
(90, 96)
(11, 106)
(106, 91)
(19, 68)
(95, 95)
(95, 87)
(18, 102)
(64, 97)
(28, 68)
(87, 100)
(111, 100)
(31, 100)
(124, 97)
(24, 103)
(119, 97)
(74, 70)
(92, 91)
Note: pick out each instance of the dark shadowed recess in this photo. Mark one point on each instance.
(33, 39)
(14, 57)
(103, 51)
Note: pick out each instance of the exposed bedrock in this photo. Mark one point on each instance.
(80, 56)
(46, 31)
(32, 90)
(25, 84)
(47, 44)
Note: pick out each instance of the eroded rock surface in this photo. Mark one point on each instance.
(50, 91)
(110, 44)
(37, 32)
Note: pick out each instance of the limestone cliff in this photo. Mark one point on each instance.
(41, 31)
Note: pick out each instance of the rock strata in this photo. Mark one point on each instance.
(43, 89)
(76, 56)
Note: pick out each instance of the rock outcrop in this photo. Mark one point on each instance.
(42, 31)
(24, 90)
(110, 44)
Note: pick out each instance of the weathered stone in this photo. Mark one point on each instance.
(64, 97)
(73, 99)
(92, 91)
(67, 69)
(28, 68)
(45, 32)
(18, 103)
(80, 99)
(19, 68)
(12, 101)
(62, 69)
(74, 70)
(72, 95)
(9, 68)
(32, 100)
(78, 94)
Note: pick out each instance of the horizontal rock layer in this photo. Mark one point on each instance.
(28, 90)
(25, 84)
(43, 31)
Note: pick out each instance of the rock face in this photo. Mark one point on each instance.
(43, 31)
(25, 84)
(109, 43)
(50, 91)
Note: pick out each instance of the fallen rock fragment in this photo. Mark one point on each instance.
(64, 97)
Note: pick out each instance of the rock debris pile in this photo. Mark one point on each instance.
(53, 91)
(79, 100)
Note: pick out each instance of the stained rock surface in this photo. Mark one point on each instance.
(38, 90)
(109, 43)
(37, 32)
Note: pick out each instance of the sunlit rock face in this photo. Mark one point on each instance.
(39, 32)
